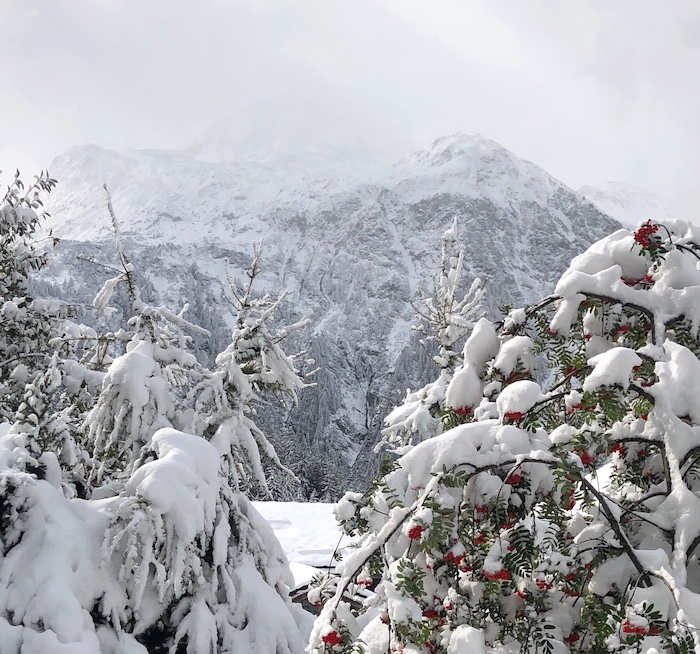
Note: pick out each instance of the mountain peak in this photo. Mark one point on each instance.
(458, 146)
(471, 165)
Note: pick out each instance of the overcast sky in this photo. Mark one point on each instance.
(591, 90)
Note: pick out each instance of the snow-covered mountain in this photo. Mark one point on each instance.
(350, 236)
(629, 204)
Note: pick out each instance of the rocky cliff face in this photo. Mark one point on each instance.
(350, 236)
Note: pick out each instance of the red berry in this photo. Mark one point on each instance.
(570, 502)
(514, 478)
(501, 574)
(452, 559)
(585, 456)
(571, 638)
(631, 281)
(509, 521)
(332, 638)
(629, 628)
(642, 234)
(573, 407)
(414, 533)
(514, 415)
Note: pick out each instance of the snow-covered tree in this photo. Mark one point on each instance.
(25, 325)
(43, 381)
(140, 389)
(562, 515)
(252, 365)
(210, 569)
(166, 554)
(445, 320)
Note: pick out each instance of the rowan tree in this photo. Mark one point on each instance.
(560, 515)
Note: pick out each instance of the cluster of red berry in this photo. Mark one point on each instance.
(501, 575)
(643, 233)
(453, 559)
(414, 533)
(629, 627)
(586, 457)
(332, 638)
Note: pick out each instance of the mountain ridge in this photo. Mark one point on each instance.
(352, 247)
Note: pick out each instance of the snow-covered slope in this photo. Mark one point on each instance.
(350, 237)
(625, 202)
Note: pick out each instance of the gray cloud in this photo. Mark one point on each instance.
(591, 91)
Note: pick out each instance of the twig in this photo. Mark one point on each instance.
(615, 526)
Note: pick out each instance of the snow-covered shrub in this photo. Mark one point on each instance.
(141, 387)
(563, 516)
(445, 320)
(157, 382)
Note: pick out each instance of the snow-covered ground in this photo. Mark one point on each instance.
(308, 533)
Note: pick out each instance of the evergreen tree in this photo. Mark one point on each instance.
(25, 325)
(43, 380)
(140, 389)
(166, 554)
(445, 320)
(557, 516)
(253, 364)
